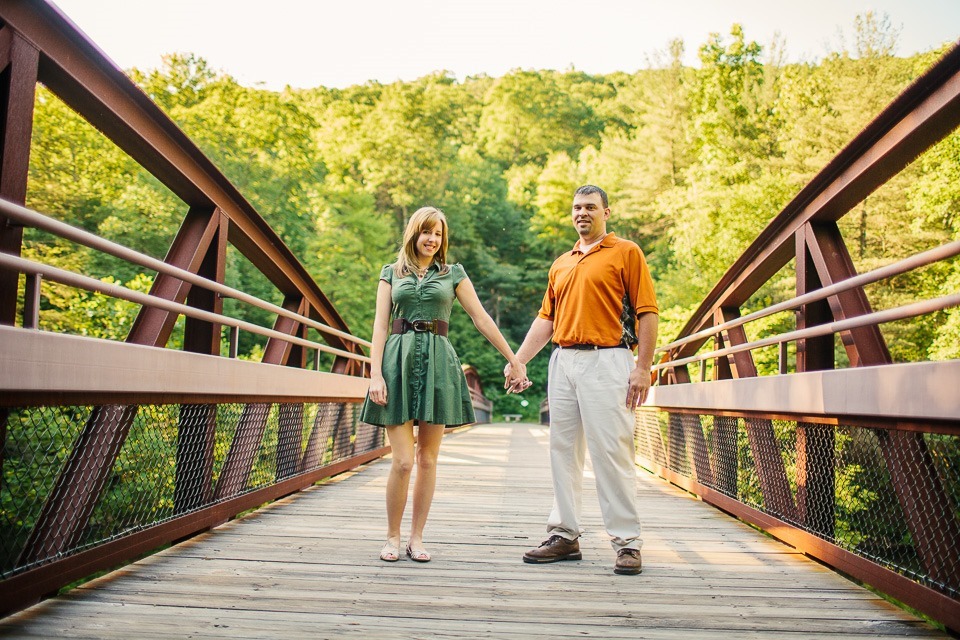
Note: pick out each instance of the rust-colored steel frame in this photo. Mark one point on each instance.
(935, 604)
(39, 44)
(922, 115)
(67, 63)
(18, 81)
(807, 230)
(26, 588)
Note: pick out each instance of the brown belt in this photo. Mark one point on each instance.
(402, 325)
(593, 347)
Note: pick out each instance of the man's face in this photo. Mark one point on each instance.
(589, 216)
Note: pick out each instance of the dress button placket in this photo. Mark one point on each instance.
(418, 337)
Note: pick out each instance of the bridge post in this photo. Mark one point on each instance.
(816, 484)
(816, 488)
(761, 438)
(253, 421)
(72, 500)
(725, 453)
(197, 425)
(725, 429)
(290, 428)
(926, 506)
(676, 438)
(19, 63)
(316, 447)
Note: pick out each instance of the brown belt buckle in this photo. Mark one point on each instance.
(424, 325)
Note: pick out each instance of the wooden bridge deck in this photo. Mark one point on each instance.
(307, 567)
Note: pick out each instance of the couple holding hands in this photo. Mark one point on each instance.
(598, 308)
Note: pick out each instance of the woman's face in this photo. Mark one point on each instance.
(429, 241)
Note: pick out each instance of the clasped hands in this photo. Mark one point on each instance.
(515, 378)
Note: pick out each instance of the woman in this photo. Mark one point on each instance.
(415, 375)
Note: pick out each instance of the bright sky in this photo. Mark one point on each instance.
(337, 43)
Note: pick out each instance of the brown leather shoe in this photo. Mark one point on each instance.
(629, 562)
(553, 550)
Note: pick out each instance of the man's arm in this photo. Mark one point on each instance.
(539, 334)
(640, 376)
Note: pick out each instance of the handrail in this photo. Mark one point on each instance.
(923, 113)
(196, 446)
(81, 75)
(854, 466)
(37, 220)
(877, 317)
(896, 268)
(117, 291)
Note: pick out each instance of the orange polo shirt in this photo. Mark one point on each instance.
(596, 298)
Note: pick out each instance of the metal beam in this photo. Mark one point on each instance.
(49, 363)
(18, 82)
(84, 78)
(906, 391)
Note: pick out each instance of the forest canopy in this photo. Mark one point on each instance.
(696, 160)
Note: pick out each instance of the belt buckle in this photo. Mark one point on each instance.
(421, 325)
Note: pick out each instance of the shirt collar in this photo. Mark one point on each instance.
(608, 241)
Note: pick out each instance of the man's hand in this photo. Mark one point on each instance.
(639, 387)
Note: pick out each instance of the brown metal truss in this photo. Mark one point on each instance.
(807, 231)
(922, 115)
(38, 44)
(80, 75)
(18, 82)
(762, 441)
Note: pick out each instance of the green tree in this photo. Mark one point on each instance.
(349, 246)
(527, 115)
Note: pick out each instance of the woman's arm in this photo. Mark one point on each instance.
(467, 296)
(381, 328)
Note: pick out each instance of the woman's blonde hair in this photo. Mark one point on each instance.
(423, 219)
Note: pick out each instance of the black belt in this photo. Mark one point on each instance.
(591, 347)
(402, 325)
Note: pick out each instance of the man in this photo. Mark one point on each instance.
(599, 305)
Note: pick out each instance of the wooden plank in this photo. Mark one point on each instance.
(307, 566)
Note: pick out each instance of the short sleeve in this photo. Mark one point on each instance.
(386, 274)
(458, 274)
(547, 307)
(640, 283)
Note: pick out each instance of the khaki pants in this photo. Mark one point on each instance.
(588, 391)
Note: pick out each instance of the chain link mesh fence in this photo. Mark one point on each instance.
(892, 497)
(131, 467)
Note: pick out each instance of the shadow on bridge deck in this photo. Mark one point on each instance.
(307, 566)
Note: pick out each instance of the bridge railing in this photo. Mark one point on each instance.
(111, 449)
(482, 405)
(856, 466)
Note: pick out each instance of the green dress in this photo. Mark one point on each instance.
(421, 370)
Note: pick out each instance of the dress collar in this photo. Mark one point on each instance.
(434, 266)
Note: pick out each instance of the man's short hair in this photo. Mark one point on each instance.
(588, 189)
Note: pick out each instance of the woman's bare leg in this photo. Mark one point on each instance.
(400, 438)
(428, 449)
